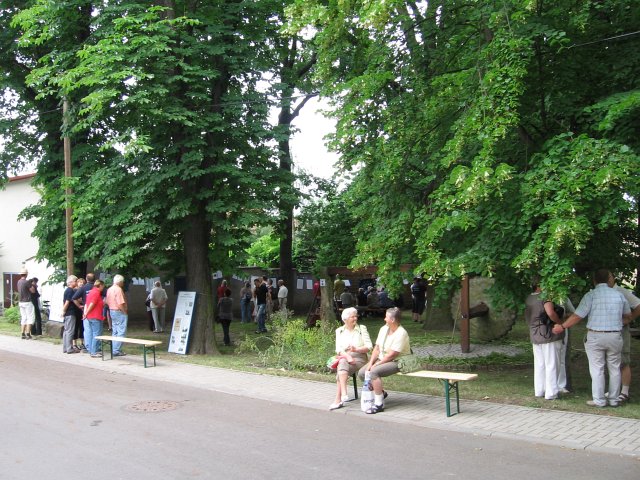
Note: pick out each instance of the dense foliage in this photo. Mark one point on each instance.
(173, 164)
(497, 138)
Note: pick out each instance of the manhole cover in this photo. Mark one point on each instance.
(152, 406)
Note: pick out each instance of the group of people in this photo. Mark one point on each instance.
(367, 296)
(260, 301)
(609, 309)
(356, 353)
(86, 307)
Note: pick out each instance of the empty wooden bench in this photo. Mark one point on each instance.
(449, 380)
(146, 345)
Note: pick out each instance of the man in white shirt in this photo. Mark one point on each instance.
(283, 292)
(607, 311)
(625, 369)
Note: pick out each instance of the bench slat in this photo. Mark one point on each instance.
(452, 376)
(137, 341)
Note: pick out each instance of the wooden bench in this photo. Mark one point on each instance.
(449, 380)
(146, 345)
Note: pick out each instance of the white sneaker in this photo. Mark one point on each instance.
(335, 406)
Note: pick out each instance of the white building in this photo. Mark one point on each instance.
(17, 246)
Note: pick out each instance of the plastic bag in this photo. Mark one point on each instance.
(367, 397)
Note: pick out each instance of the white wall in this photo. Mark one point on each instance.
(17, 246)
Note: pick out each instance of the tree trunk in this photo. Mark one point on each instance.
(198, 271)
(286, 222)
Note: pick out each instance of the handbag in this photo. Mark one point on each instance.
(409, 363)
(332, 362)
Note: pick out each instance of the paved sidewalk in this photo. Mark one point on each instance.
(596, 433)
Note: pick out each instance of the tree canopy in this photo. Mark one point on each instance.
(166, 97)
(495, 138)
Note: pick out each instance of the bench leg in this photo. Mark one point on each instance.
(355, 385)
(448, 387)
(102, 348)
(144, 354)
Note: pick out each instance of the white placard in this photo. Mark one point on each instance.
(347, 282)
(185, 307)
(323, 283)
(56, 303)
(300, 283)
(309, 284)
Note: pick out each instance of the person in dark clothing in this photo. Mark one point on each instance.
(262, 292)
(225, 315)
(35, 299)
(418, 295)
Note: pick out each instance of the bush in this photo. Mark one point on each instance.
(12, 315)
(292, 345)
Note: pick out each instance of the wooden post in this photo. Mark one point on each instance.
(464, 309)
(67, 192)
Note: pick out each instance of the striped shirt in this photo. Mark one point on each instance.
(604, 306)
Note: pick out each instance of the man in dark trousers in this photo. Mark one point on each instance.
(262, 292)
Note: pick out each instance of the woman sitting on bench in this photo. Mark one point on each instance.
(392, 342)
(352, 346)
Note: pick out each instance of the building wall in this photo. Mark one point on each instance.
(17, 247)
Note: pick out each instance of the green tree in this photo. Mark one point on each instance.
(264, 251)
(486, 137)
(324, 235)
(169, 94)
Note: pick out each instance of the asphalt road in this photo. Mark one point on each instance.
(60, 421)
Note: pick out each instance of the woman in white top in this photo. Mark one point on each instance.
(352, 346)
(391, 344)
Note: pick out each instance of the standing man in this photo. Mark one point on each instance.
(27, 311)
(117, 304)
(338, 287)
(269, 298)
(262, 292)
(80, 299)
(605, 308)
(625, 372)
(70, 315)
(158, 306)
(283, 293)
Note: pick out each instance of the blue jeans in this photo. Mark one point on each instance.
(262, 316)
(92, 329)
(119, 327)
(245, 310)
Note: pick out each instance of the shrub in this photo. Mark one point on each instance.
(12, 315)
(292, 345)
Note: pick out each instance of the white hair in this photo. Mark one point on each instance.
(347, 312)
(71, 279)
(118, 279)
